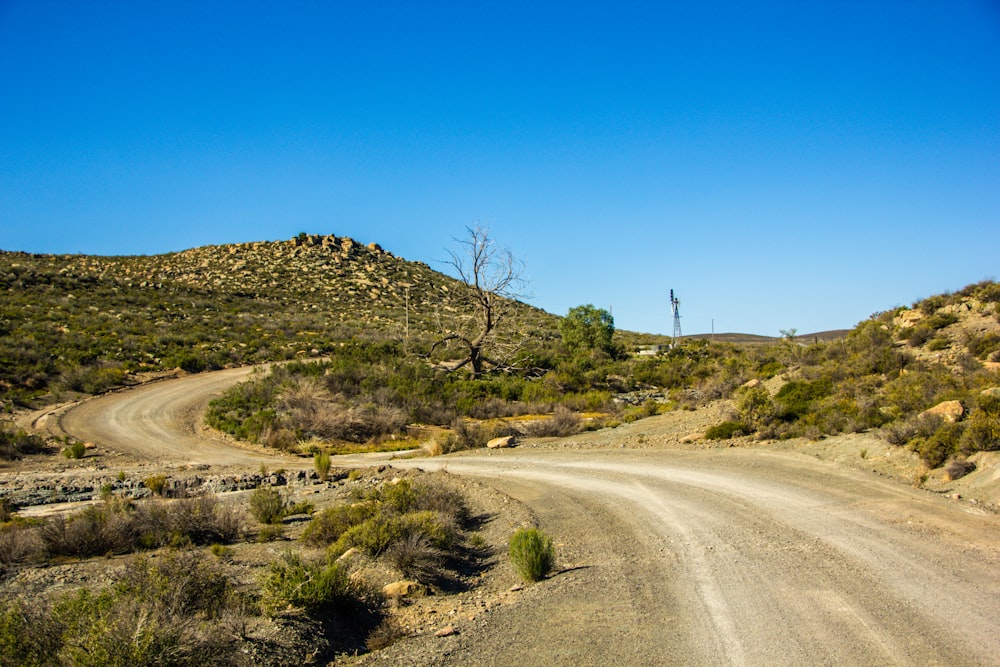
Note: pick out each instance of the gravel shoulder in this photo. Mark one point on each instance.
(670, 549)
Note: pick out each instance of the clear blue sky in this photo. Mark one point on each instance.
(779, 164)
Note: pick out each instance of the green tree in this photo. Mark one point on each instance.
(588, 328)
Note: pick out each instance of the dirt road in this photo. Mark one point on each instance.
(680, 556)
(162, 422)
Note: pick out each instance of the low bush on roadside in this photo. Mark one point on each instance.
(416, 526)
(15, 444)
(532, 554)
(118, 527)
(321, 461)
(156, 484)
(75, 450)
(267, 505)
(314, 586)
(562, 423)
(163, 612)
(726, 430)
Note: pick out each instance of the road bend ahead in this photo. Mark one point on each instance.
(671, 556)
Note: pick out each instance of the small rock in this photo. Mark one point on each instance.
(446, 631)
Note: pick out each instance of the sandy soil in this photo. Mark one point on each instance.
(672, 551)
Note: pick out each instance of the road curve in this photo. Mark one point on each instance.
(705, 557)
(161, 422)
(743, 558)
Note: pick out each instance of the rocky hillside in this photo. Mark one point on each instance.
(953, 329)
(85, 322)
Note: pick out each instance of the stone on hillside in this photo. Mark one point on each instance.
(502, 443)
(750, 384)
(402, 589)
(992, 391)
(446, 631)
(950, 411)
(908, 318)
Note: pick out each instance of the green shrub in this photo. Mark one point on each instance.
(321, 460)
(983, 347)
(267, 505)
(17, 444)
(935, 449)
(326, 527)
(920, 335)
(156, 483)
(726, 430)
(941, 320)
(938, 344)
(270, 532)
(376, 534)
(312, 586)
(29, 636)
(648, 409)
(152, 614)
(754, 406)
(531, 554)
(982, 433)
(797, 398)
(75, 450)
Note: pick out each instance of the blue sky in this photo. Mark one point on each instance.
(778, 164)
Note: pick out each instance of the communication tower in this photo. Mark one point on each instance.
(675, 309)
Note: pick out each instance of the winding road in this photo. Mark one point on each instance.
(680, 556)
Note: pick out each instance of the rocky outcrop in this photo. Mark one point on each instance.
(950, 411)
(24, 491)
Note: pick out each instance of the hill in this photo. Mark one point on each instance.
(84, 323)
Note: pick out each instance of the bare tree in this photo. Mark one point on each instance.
(493, 278)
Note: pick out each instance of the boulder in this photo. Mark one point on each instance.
(502, 442)
(950, 411)
(402, 589)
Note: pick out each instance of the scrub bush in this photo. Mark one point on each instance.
(531, 554)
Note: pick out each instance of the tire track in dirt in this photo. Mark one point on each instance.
(770, 570)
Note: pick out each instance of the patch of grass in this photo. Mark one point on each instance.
(74, 450)
(267, 505)
(321, 461)
(153, 613)
(15, 444)
(726, 430)
(312, 586)
(531, 554)
(156, 484)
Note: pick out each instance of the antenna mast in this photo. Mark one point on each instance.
(675, 309)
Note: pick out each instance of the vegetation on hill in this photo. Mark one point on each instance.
(77, 323)
(362, 331)
(886, 374)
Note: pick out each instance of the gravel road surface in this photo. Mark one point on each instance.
(675, 555)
